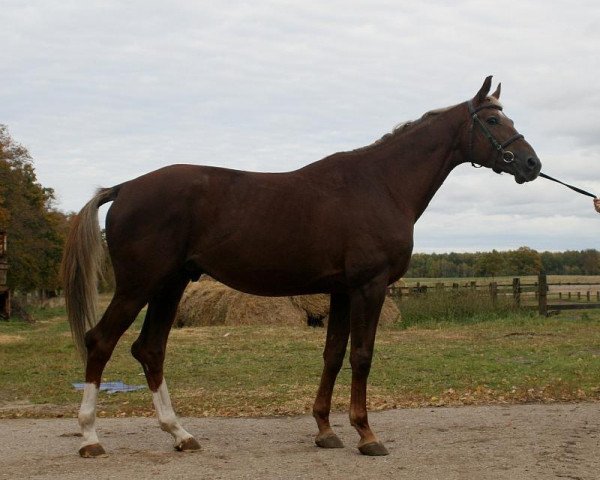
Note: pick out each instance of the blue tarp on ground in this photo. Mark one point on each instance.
(112, 387)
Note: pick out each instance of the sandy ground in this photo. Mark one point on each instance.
(512, 442)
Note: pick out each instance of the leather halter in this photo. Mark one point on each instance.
(506, 155)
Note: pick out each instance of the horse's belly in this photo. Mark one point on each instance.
(272, 269)
(277, 282)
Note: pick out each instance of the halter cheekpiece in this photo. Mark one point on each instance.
(506, 155)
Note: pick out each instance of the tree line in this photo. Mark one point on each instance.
(36, 229)
(522, 261)
(37, 232)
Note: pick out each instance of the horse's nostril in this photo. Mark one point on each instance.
(532, 162)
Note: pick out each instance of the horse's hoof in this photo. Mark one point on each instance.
(188, 445)
(329, 441)
(373, 449)
(92, 451)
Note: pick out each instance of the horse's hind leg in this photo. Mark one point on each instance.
(100, 342)
(149, 349)
(338, 329)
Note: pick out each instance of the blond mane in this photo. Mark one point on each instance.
(406, 126)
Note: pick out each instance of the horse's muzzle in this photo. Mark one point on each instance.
(528, 170)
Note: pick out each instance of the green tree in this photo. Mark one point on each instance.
(524, 261)
(590, 262)
(36, 230)
(490, 263)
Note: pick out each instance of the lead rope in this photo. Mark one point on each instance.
(578, 190)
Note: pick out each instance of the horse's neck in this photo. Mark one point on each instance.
(420, 160)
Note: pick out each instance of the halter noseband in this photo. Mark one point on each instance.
(506, 155)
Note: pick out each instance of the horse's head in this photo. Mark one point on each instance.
(494, 142)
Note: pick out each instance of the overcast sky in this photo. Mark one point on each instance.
(104, 91)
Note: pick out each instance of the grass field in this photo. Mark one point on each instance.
(513, 358)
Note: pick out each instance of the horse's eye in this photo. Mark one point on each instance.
(493, 121)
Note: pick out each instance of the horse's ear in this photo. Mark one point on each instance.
(496, 94)
(483, 91)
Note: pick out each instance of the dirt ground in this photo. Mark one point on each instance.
(512, 442)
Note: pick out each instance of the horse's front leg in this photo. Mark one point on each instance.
(338, 330)
(365, 307)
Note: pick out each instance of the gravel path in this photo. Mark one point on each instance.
(513, 442)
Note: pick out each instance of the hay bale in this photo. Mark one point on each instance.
(390, 313)
(209, 302)
(316, 308)
(315, 305)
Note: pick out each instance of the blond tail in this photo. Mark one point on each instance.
(81, 267)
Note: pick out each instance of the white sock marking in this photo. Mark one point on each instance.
(166, 415)
(87, 414)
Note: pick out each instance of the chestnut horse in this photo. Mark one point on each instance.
(342, 225)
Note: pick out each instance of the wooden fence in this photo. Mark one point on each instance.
(554, 297)
(546, 297)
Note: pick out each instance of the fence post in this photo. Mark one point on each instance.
(494, 292)
(542, 294)
(517, 291)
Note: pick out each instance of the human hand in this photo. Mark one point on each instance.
(597, 204)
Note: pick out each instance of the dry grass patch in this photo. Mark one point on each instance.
(10, 339)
